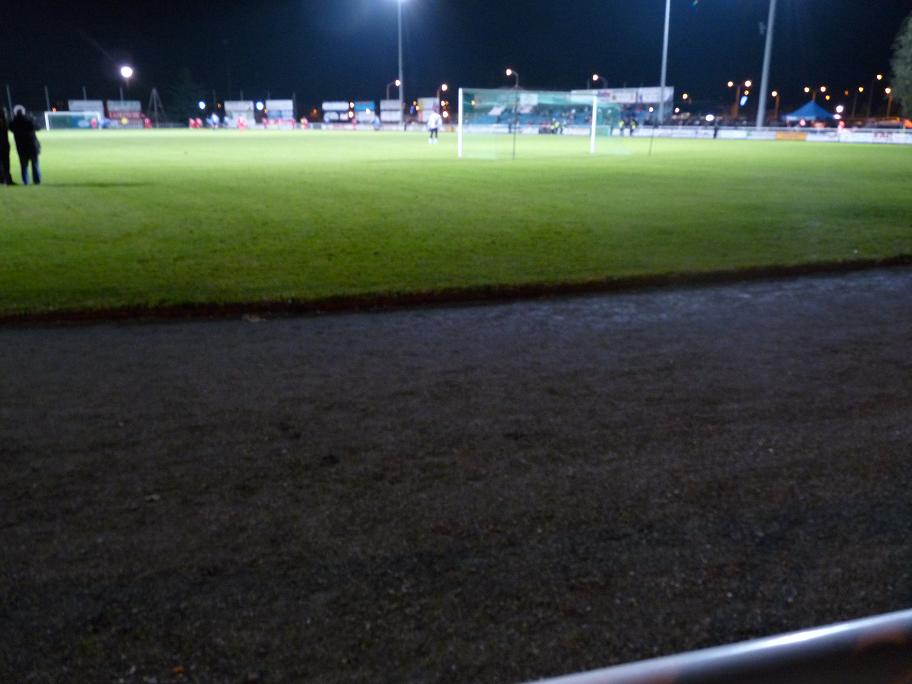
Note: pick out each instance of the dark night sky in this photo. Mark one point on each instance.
(341, 49)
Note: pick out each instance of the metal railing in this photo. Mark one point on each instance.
(875, 650)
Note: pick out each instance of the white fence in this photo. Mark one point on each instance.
(829, 135)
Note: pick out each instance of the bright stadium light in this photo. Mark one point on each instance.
(202, 105)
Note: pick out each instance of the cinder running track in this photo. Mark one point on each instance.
(488, 493)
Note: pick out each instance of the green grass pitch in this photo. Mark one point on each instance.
(159, 218)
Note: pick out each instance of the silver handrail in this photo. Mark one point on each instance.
(870, 651)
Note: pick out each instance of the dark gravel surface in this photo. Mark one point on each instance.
(486, 493)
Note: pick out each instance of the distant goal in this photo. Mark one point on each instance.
(56, 121)
(491, 121)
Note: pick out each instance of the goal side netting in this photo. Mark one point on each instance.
(501, 123)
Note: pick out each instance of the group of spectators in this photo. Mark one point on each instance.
(27, 146)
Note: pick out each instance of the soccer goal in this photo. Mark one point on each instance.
(497, 123)
(72, 120)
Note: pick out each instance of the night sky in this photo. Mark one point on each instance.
(346, 49)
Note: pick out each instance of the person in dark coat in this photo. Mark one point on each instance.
(6, 177)
(27, 145)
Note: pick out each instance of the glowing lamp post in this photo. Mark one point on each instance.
(389, 85)
(777, 96)
(126, 73)
(889, 92)
(512, 73)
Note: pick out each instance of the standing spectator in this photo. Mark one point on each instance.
(434, 122)
(27, 145)
(6, 177)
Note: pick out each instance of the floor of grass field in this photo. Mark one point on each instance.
(173, 217)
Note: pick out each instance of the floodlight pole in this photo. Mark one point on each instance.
(401, 70)
(594, 124)
(461, 130)
(664, 62)
(767, 59)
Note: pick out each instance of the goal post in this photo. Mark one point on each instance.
(54, 121)
(493, 123)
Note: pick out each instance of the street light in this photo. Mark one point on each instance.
(512, 73)
(889, 92)
(596, 78)
(442, 88)
(389, 85)
(858, 92)
(126, 72)
(777, 96)
(878, 77)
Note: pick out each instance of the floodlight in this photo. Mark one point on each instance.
(509, 72)
(398, 82)
(879, 77)
(807, 89)
(840, 109)
(260, 106)
(748, 83)
(201, 104)
(595, 77)
(888, 90)
(710, 118)
(444, 87)
(731, 84)
(860, 89)
(823, 89)
(126, 72)
(775, 93)
(685, 96)
(652, 109)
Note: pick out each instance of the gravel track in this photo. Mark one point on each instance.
(489, 493)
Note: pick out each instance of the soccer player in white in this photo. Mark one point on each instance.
(434, 122)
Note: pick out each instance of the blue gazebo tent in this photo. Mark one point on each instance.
(810, 112)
